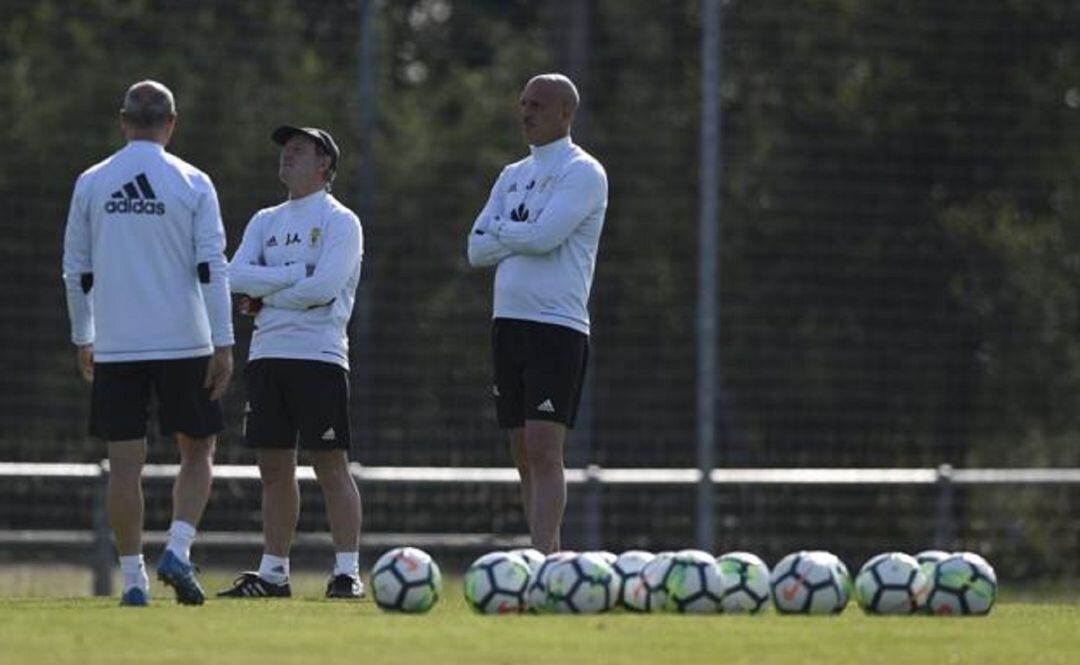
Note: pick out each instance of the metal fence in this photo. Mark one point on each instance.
(896, 280)
(941, 526)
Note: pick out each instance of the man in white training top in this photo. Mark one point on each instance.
(148, 296)
(541, 228)
(298, 267)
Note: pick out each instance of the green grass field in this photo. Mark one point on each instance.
(307, 629)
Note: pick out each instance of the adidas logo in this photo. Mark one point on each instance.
(546, 406)
(136, 196)
(329, 435)
(520, 213)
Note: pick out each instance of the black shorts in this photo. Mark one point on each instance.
(290, 401)
(121, 393)
(539, 371)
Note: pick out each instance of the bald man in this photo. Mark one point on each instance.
(148, 297)
(541, 229)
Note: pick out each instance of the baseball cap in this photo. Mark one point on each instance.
(321, 137)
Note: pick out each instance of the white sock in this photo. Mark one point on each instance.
(134, 570)
(274, 569)
(347, 563)
(181, 535)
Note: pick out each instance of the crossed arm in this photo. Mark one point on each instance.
(493, 237)
(297, 286)
(248, 272)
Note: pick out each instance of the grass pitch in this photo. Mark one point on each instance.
(307, 629)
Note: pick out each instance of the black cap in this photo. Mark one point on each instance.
(321, 137)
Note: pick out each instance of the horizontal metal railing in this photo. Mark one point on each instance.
(594, 478)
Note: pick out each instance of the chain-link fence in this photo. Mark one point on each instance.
(899, 274)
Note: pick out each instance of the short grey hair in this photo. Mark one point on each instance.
(565, 86)
(148, 104)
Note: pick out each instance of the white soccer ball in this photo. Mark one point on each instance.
(583, 584)
(744, 582)
(406, 579)
(537, 596)
(648, 591)
(964, 583)
(627, 567)
(891, 583)
(496, 583)
(693, 583)
(810, 582)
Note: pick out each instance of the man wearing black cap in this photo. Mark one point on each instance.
(297, 269)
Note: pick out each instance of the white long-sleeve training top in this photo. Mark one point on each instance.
(302, 258)
(144, 259)
(541, 226)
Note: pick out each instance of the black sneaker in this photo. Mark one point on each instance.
(345, 586)
(250, 585)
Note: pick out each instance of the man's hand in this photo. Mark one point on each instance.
(249, 306)
(218, 372)
(85, 356)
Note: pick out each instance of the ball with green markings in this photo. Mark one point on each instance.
(964, 583)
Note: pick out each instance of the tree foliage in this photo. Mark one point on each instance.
(899, 278)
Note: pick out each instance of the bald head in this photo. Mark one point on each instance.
(148, 104)
(548, 104)
(561, 87)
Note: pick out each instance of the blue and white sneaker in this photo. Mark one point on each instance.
(135, 597)
(181, 577)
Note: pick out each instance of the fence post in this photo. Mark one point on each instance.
(594, 518)
(102, 555)
(944, 527)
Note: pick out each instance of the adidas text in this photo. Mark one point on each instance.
(137, 206)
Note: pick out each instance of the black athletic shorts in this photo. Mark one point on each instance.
(539, 371)
(290, 401)
(121, 394)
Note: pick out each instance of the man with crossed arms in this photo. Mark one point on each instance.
(541, 228)
(298, 266)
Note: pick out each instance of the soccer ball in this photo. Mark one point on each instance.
(496, 583)
(537, 596)
(627, 567)
(582, 584)
(891, 583)
(744, 582)
(810, 582)
(648, 591)
(963, 583)
(693, 583)
(406, 579)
